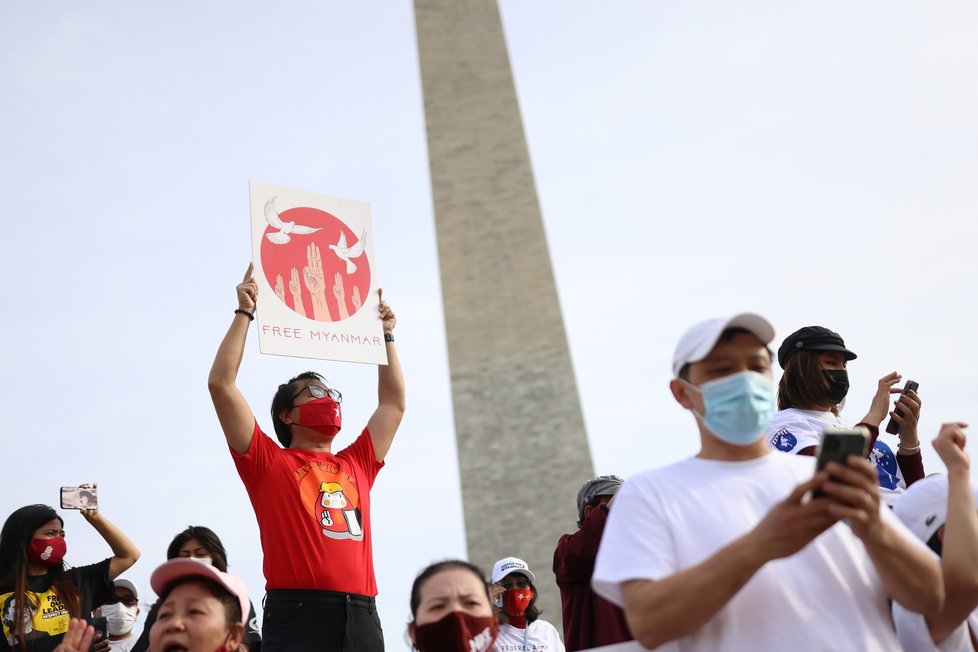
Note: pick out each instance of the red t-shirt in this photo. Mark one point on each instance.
(313, 512)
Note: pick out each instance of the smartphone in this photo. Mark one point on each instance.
(893, 427)
(837, 445)
(79, 497)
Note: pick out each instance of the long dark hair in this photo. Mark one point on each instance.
(207, 538)
(803, 384)
(18, 530)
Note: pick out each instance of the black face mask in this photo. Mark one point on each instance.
(838, 384)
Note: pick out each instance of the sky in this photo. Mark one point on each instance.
(813, 162)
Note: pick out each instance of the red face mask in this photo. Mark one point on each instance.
(516, 600)
(457, 631)
(49, 552)
(322, 415)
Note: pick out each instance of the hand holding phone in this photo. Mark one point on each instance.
(892, 426)
(838, 445)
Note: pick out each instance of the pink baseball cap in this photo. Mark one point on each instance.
(181, 567)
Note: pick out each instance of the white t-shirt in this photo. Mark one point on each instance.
(828, 596)
(541, 636)
(123, 645)
(911, 629)
(792, 430)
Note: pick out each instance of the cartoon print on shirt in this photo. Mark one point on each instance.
(331, 497)
(783, 440)
(51, 620)
(886, 465)
(338, 522)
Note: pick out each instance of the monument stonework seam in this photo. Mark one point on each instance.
(523, 452)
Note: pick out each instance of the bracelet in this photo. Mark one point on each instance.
(388, 337)
(250, 316)
(908, 449)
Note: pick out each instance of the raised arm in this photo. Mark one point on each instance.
(880, 405)
(234, 413)
(676, 606)
(960, 547)
(124, 552)
(390, 389)
(911, 575)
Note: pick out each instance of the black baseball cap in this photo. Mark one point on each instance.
(812, 338)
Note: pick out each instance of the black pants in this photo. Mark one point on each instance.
(320, 621)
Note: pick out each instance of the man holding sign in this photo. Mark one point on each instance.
(312, 505)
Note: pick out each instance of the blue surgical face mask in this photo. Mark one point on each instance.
(738, 407)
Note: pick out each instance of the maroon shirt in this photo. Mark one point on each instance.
(589, 620)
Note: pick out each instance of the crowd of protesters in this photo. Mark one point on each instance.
(751, 544)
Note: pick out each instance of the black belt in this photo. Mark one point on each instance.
(315, 596)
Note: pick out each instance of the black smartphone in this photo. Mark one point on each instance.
(837, 445)
(892, 426)
(84, 497)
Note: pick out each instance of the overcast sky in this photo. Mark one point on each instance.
(814, 162)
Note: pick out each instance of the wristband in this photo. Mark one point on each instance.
(388, 337)
(908, 449)
(247, 314)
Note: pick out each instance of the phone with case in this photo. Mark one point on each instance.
(837, 445)
(892, 426)
(84, 497)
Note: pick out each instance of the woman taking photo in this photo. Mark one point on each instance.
(450, 609)
(811, 394)
(201, 609)
(39, 595)
(202, 544)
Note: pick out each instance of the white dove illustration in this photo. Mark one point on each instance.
(284, 228)
(346, 253)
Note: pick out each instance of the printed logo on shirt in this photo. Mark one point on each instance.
(783, 440)
(330, 496)
(44, 615)
(886, 465)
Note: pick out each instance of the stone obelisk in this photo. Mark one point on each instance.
(522, 448)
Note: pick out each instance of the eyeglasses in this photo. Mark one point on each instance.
(519, 583)
(320, 392)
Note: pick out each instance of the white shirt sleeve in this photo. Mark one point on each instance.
(548, 633)
(637, 544)
(790, 432)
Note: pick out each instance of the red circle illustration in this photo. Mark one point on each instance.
(324, 274)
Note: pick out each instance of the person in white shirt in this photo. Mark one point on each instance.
(514, 595)
(811, 394)
(725, 551)
(940, 510)
(120, 615)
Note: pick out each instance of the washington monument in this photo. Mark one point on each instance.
(523, 451)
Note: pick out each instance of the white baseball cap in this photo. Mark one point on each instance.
(923, 506)
(181, 567)
(504, 567)
(697, 342)
(123, 583)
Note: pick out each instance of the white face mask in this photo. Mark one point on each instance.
(120, 618)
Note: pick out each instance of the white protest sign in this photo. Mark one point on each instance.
(317, 279)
